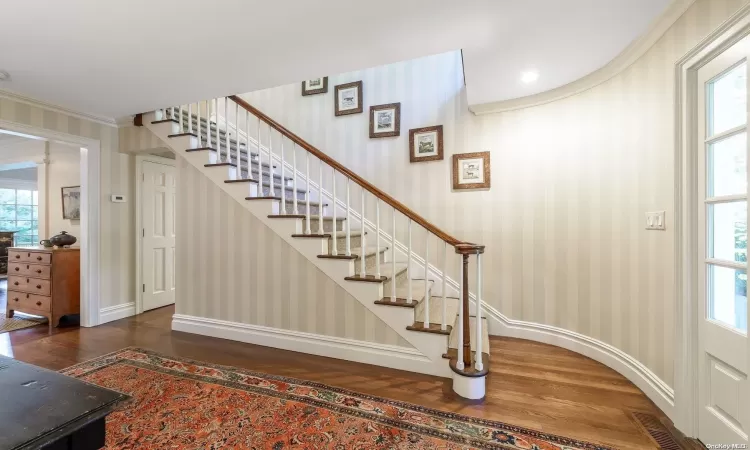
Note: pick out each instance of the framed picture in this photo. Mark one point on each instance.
(348, 98)
(471, 170)
(385, 120)
(71, 202)
(426, 144)
(315, 86)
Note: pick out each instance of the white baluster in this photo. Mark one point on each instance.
(294, 177)
(270, 166)
(209, 105)
(362, 266)
(320, 197)
(283, 185)
(393, 256)
(460, 333)
(478, 353)
(171, 113)
(333, 195)
(377, 238)
(444, 324)
(260, 161)
(198, 122)
(248, 163)
(426, 321)
(226, 129)
(348, 221)
(238, 169)
(308, 230)
(182, 126)
(218, 133)
(408, 263)
(190, 117)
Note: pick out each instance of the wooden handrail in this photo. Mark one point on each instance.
(353, 176)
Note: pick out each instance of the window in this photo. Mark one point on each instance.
(19, 212)
(726, 198)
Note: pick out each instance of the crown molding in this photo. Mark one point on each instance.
(58, 109)
(625, 59)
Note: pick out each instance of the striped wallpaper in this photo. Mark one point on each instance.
(233, 267)
(117, 219)
(564, 221)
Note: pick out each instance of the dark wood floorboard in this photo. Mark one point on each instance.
(531, 384)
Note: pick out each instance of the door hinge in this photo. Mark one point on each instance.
(144, 287)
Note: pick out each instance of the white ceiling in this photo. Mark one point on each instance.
(115, 58)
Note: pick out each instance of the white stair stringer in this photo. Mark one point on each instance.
(430, 345)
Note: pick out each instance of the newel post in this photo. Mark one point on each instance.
(465, 250)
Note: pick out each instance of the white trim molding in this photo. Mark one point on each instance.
(687, 309)
(117, 312)
(58, 109)
(393, 356)
(625, 59)
(90, 211)
(654, 387)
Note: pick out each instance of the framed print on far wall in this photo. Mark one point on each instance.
(426, 144)
(385, 120)
(71, 202)
(471, 170)
(315, 86)
(348, 98)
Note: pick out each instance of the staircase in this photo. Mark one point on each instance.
(223, 138)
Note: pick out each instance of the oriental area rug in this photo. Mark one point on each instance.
(182, 404)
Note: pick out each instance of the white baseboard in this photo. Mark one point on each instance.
(392, 356)
(654, 387)
(116, 312)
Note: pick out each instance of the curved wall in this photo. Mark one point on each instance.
(564, 223)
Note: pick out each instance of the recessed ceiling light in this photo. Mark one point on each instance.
(4, 76)
(529, 76)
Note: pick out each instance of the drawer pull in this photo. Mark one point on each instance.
(38, 303)
(38, 271)
(16, 298)
(38, 286)
(15, 283)
(38, 258)
(17, 269)
(18, 256)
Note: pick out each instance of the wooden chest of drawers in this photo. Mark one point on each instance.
(44, 282)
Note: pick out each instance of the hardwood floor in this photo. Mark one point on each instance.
(531, 384)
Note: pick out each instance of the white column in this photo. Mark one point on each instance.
(294, 177)
(408, 263)
(283, 185)
(226, 129)
(248, 163)
(333, 196)
(238, 168)
(270, 165)
(362, 266)
(393, 256)
(198, 122)
(218, 133)
(307, 190)
(478, 354)
(426, 321)
(460, 332)
(377, 238)
(209, 105)
(320, 196)
(190, 117)
(349, 220)
(182, 127)
(444, 324)
(260, 164)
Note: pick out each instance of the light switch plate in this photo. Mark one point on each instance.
(655, 220)
(117, 198)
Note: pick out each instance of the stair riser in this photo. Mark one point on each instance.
(302, 208)
(266, 192)
(327, 225)
(341, 244)
(370, 263)
(401, 280)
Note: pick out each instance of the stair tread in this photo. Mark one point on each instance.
(369, 251)
(453, 341)
(353, 233)
(433, 327)
(402, 292)
(386, 273)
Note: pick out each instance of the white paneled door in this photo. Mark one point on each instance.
(724, 416)
(158, 234)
